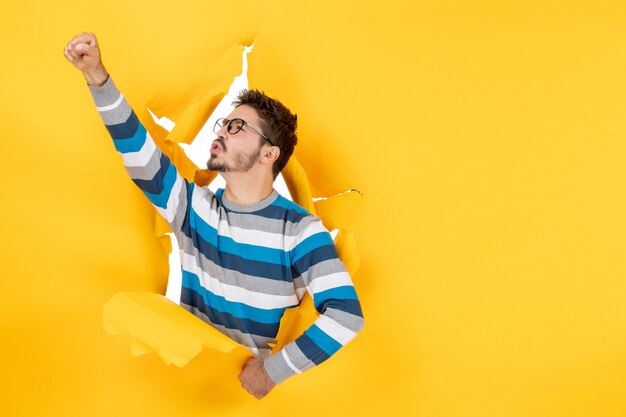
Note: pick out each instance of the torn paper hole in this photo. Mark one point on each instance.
(198, 153)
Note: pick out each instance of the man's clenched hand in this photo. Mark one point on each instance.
(83, 52)
(254, 378)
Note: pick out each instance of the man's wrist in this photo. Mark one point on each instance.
(266, 375)
(277, 368)
(96, 78)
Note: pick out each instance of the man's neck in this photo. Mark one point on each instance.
(247, 188)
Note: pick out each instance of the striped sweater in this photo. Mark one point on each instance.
(242, 265)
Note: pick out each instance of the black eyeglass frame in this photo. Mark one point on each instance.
(222, 121)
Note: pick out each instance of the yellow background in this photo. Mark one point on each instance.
(487, 138)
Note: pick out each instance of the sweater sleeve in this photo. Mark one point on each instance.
(315, 259)
(149, 168)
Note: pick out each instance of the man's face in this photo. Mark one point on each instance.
(240, 151)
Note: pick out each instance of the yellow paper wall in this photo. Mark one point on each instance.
(487, 139)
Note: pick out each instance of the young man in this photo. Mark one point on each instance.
(247, 252)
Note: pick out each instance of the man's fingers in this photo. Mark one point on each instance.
(88, 38)
(84, 44)
(72, 52)
(68, 56)
(85, 49)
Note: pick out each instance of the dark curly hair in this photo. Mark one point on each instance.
(277, 123)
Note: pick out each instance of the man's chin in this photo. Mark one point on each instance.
(213, 166)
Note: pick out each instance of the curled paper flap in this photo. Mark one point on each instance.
(337, 211)
(193, 119)
(156, 324)
(347, 251)
(298, 184)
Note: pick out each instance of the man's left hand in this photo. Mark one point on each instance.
(254, 378)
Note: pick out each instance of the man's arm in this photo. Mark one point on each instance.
(150, 169)
(329, 284)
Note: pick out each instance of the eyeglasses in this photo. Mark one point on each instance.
(235, 125)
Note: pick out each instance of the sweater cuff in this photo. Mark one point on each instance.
(278, 368)
(106, 95)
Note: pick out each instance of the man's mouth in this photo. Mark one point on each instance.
(217, 147)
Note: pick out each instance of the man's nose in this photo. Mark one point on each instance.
(223, 132)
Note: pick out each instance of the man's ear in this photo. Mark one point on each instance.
(270, 154)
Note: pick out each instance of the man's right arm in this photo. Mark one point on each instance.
(149, 168)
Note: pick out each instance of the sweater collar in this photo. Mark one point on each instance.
(248, 208)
